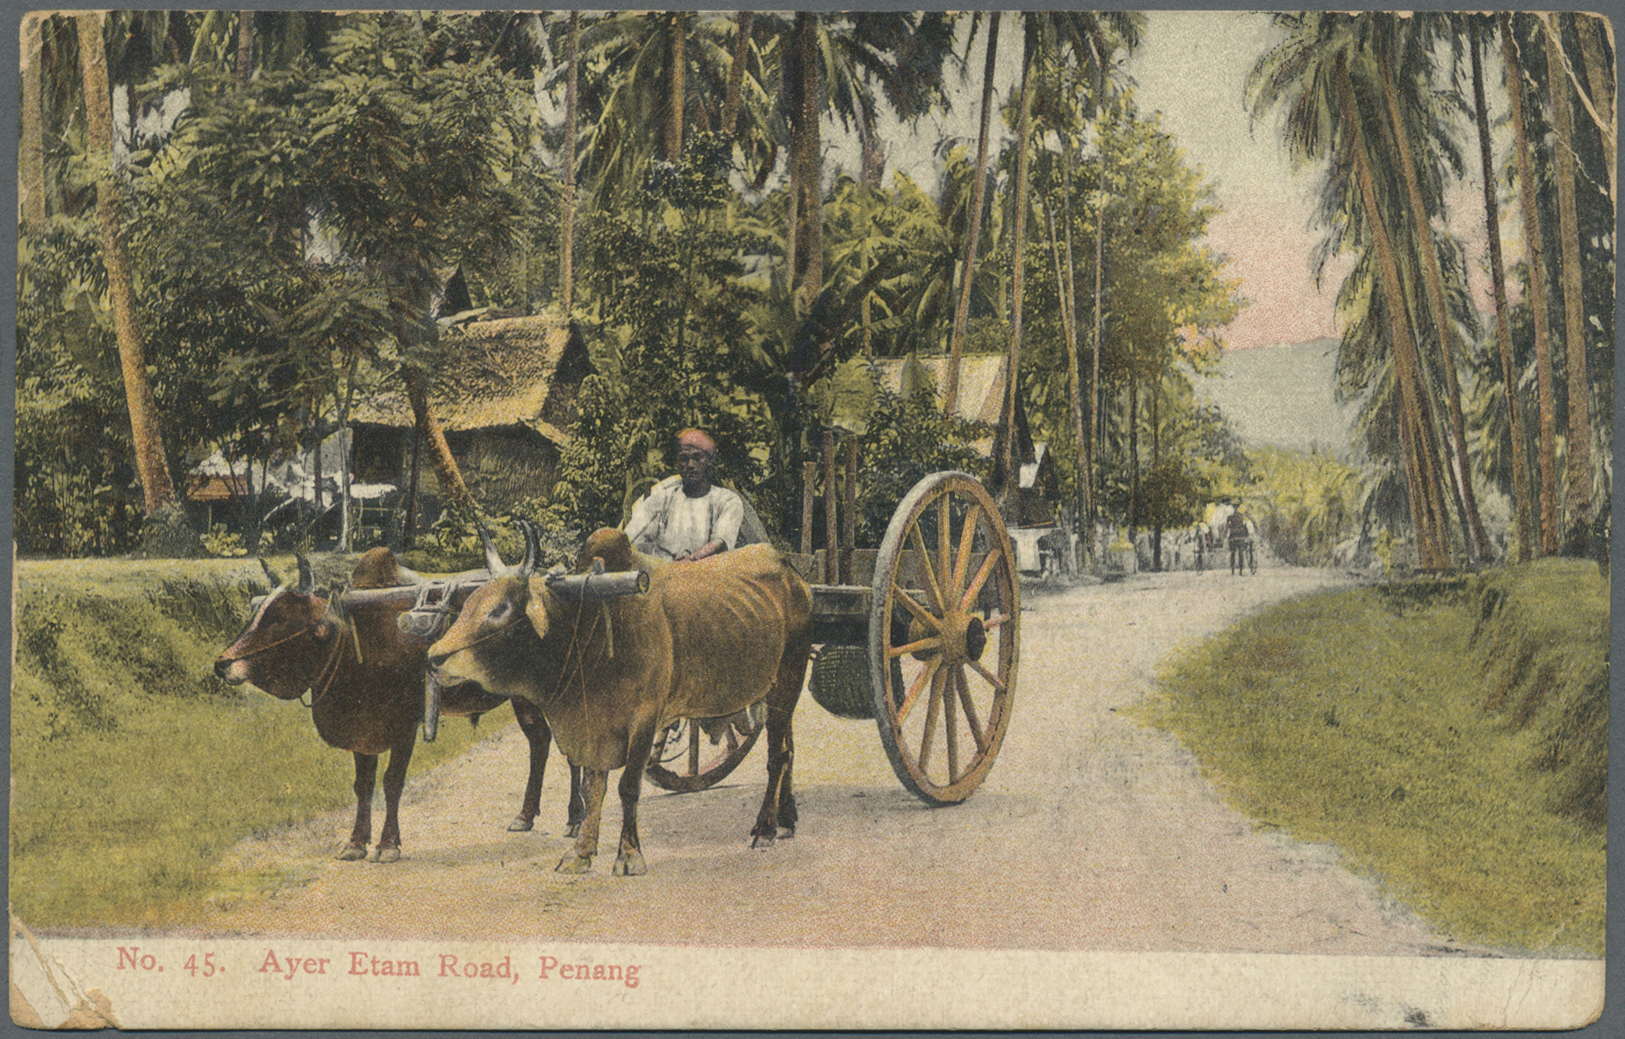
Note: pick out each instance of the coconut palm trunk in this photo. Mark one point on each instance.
(677, 73)
(1444, 326)
(156, 487)
(434, 438)
(1064, 277)
(1086, 506)
(736, 75)
(245, 46)
(956, 342)
(1600, 79)
(1534, 247)
(567, 172)
(1498, 282)
(1425, 483)
(806, 154)
(1018, 243)
(31, 142)
(1581, 474)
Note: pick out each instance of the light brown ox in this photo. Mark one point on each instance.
(709, 638)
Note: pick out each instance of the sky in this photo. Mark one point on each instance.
(1191, 68)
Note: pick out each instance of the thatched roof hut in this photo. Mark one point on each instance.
(505, 394)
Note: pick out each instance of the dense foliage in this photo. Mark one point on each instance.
(293, 189)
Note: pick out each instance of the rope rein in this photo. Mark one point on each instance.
(334, 661)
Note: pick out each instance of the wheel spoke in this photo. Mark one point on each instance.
(995, 621)
(929, 642)
(931, 710)
(974, 589)
(733, 739)
(992, 679)
(950, 729)
(967, 541)
(915, 686)
(927, 566)
(944, 560)
(966, 702)
(693, 748)
(925, 616)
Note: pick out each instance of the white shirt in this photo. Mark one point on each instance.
(668, 523)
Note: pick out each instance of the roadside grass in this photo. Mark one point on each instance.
(1448, 737)
(133, 768)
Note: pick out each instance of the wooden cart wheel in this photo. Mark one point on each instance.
(944, 628)
(694, 754)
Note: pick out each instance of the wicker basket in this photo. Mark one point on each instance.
(840, 681)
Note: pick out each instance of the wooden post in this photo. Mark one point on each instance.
(809, 477)
(849, 501)
(831, 544)
(412, 491)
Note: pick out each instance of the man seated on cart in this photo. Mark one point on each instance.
(686, 517)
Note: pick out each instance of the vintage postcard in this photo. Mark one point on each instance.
(637, 520)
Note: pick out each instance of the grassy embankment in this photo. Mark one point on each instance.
(1450, 738)
(133, 767)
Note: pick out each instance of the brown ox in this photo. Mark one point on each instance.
(366, 684)
(708, 639)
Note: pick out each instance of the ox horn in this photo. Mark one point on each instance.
(532, 549)
(493, 559)
(271, 575)
(307, 579)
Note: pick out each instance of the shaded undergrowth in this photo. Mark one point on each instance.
(1448, 736)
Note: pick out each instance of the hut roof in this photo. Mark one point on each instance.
(510, 372)
(980, 397)
(981, 382)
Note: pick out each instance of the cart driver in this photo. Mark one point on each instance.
(687, 517)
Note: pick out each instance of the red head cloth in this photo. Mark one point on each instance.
(697, 439)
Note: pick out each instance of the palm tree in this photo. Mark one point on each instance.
(31, 140)
(1416, 45)
(1498, 281)
(1326, 120)
(1008, 476)
(956, 342)
(567, 171)
(1090, 38)
(1581, 475)
(1534, 247)
(156, 486)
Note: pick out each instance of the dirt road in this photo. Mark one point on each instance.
(1092, 832)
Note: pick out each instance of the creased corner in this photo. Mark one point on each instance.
(44, 996)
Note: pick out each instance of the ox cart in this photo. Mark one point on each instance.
(921, 635)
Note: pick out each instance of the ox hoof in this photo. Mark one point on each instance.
(573, 830)
(390, 854)
(573, 863)
(520, 825)
(630, 865)
(353, 853)
(763, 841)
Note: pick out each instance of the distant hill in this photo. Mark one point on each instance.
(1282, 395)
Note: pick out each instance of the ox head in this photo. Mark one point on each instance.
(498, 622)
(288, 638)
(496, 637)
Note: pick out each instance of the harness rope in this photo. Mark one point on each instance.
(333, 661)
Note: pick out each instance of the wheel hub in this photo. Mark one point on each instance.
(963, 636)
